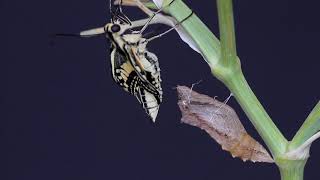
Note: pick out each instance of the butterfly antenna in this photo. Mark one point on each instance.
(67, 35)
(83, 34)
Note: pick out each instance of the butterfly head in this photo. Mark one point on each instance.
(113, 28)
(116, 28)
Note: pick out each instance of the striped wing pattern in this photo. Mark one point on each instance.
(138, 74)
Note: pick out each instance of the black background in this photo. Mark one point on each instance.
(62, 116)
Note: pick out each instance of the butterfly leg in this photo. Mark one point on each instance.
(152, 16)
(124, 16)
(167, 31)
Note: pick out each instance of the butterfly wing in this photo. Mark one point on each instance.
(151, 65)
(151, 95)
(122, 71)
(137, 81)
(149, 102)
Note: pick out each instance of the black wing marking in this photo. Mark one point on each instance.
(154, 69)
(149, 103)
(133, 80)
(134, 60)
(122, 72)
(129, 77)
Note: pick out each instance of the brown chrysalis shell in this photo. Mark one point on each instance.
(221, 122)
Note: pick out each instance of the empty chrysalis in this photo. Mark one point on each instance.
(222, 123)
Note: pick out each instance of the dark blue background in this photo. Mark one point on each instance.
(62, 116)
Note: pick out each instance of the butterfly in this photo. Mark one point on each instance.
(133, 67)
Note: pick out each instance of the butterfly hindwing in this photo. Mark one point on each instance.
(149, 102)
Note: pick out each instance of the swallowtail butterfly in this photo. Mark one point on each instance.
(133, 67)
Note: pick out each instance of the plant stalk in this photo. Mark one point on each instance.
(308, 129)
(291, 169)
(238, 85)
(227, 32)
(230, 72)
(207, 42)
(225, 65)
(269, 132)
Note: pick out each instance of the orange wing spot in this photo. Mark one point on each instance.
(127, 67)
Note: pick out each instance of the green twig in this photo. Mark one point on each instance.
(202, 36)
(309, 128)
(291, 169)
(258, 116)
(226, 31)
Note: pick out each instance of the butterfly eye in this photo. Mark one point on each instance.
(115, 28)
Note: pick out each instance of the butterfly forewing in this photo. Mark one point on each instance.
(122, 71)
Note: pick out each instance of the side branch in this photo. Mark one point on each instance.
(308, 129)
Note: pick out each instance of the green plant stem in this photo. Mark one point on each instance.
(291, 169)
(208, 44)
(256, 113)
(225, 65)
(237, 84)
(309, 128)
(226, 31)
(230, 73)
